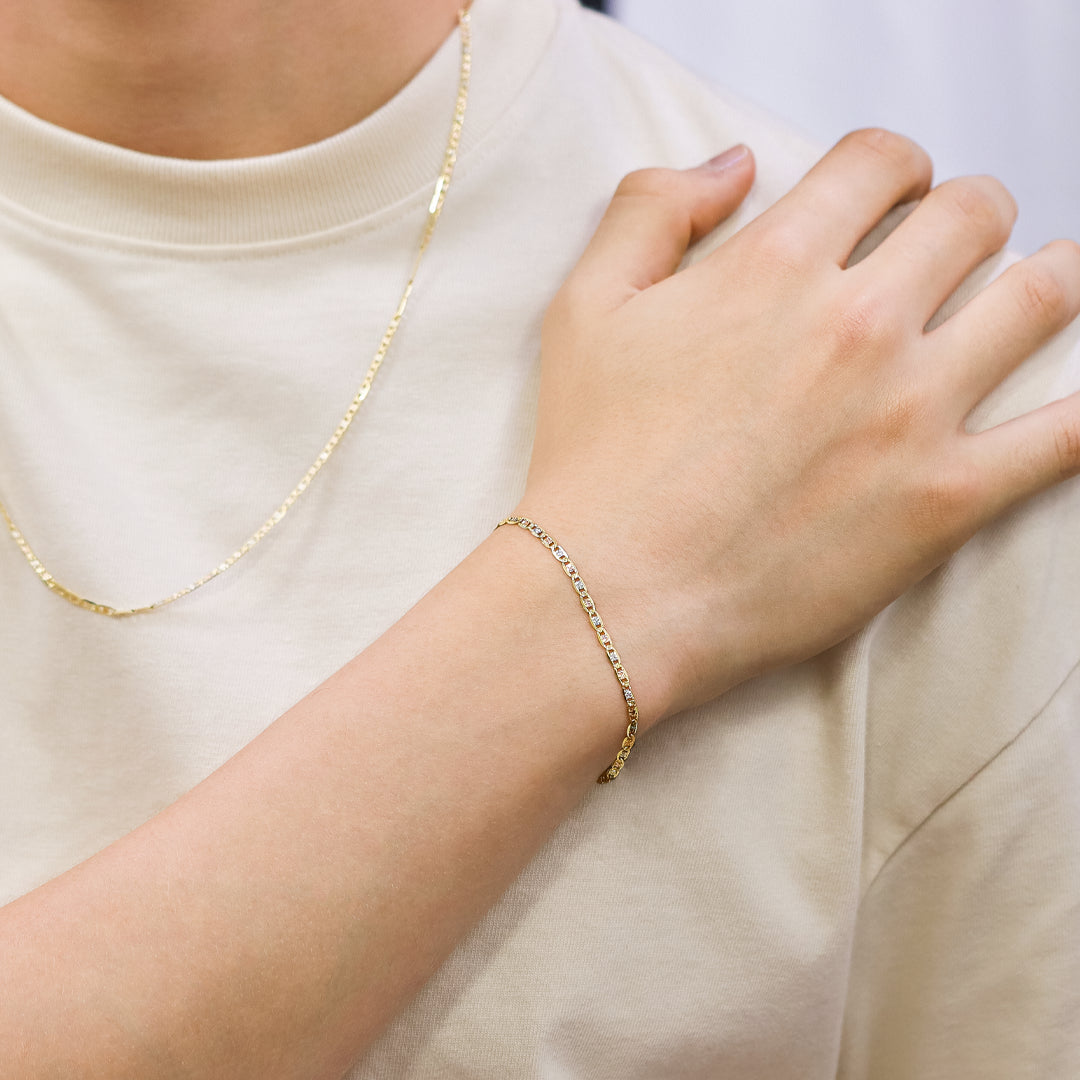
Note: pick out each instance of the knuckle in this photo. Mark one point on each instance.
(943, 504)
(1066, 444)
(1068, 249)
(979, 203)
(783, 246)
(1065, 255)
(1042, 295)
(864, 321)
(660, 194)
(651, 182)
(896, 150)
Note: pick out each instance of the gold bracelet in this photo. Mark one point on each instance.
(602, 636)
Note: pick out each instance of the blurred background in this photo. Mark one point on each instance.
(987, 86)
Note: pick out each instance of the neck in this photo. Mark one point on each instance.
(213, 78)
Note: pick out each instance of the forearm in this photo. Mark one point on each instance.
(275, 918)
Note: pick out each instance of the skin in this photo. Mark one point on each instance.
(272, 921)
(213, 78)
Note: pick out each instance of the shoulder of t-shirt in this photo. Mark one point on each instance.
(677, 116)
(965, 923)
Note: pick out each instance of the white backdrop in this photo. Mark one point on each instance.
(987, 86)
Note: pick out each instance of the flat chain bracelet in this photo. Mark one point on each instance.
(602, 636)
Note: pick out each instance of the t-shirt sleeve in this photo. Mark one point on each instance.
(966, 959)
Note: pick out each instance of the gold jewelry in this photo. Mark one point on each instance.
(434, 210)
(602, 636)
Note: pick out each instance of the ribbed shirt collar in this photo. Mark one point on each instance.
(392, 154)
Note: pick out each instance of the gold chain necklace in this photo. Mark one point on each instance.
(434, 210)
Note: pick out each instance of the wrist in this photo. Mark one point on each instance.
(552, 630)
(677, 635)
(629, 621)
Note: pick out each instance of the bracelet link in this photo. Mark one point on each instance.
(602, 637)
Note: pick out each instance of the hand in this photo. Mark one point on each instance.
(750, 458)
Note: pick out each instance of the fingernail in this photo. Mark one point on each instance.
(726, 159)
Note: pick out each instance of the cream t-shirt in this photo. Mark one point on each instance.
(864, 866)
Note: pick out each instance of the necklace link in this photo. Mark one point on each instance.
(442, 186)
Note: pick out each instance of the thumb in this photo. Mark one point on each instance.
(655, 216)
